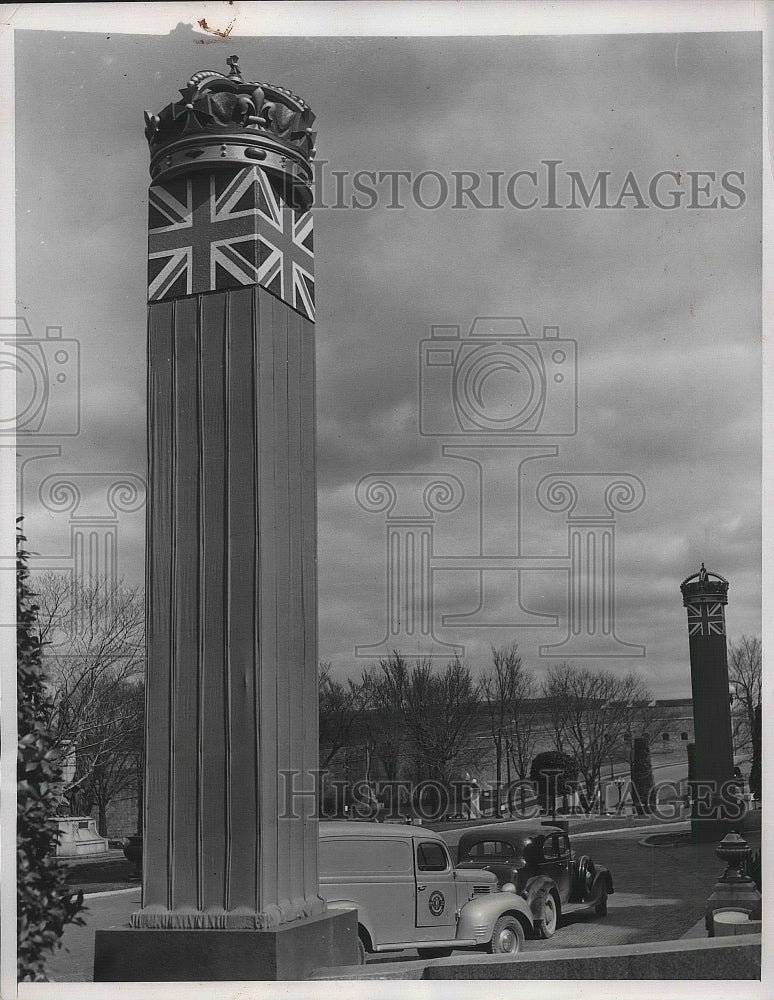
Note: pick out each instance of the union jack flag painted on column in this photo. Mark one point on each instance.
(228, 229)
(706, 619)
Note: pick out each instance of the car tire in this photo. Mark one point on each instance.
(434, 952)
(600, 907)
(507, 937)
(547, 927)
(361, 952)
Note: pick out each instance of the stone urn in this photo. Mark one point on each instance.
(133, 851)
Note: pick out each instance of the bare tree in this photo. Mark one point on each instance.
(341, 706)
(508, 691)
(135, 752)
(110, 764)
(556, 700)
(494, 685)
(94, 641)
(745, 676)
(388, 742)
(596, 715)
(431, 711)
(439, 709)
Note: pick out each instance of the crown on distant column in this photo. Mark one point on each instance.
(222, 121)
(699, 584)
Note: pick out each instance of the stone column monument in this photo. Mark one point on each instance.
(715, 801)
(230, 885)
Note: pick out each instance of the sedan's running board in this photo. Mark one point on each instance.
(412, 945)
(569, 908)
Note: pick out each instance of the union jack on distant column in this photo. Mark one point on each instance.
(225, 230)
(706, 619)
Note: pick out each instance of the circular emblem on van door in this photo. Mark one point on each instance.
(436, 903)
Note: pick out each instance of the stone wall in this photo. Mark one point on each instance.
(716, 958)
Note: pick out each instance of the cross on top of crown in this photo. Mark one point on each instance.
(234, 73)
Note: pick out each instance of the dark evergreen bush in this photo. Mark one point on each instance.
(642, 774)
(44, 902)
(754, 869)
(552, 773)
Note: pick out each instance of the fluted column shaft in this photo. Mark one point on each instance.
(705, 595)
(231, 600)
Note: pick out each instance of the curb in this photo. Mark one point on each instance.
(110, 892)
(682, 824)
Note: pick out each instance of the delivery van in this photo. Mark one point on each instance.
(408, 894)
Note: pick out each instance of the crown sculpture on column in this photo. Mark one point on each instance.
(700, 583)
(222, 121)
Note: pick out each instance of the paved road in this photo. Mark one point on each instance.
(660, 894)
(74, 962)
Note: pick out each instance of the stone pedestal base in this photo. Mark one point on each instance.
(78, 837)
(740, 895)
(291, 951)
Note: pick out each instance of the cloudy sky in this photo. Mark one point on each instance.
(663, 304)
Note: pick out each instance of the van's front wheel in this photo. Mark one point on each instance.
(507, 937)
(361, 952)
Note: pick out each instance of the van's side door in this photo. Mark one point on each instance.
(436, 891)
(378, 875)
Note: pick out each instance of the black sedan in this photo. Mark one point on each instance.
(544, 869)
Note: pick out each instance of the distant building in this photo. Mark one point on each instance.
(364, 756)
